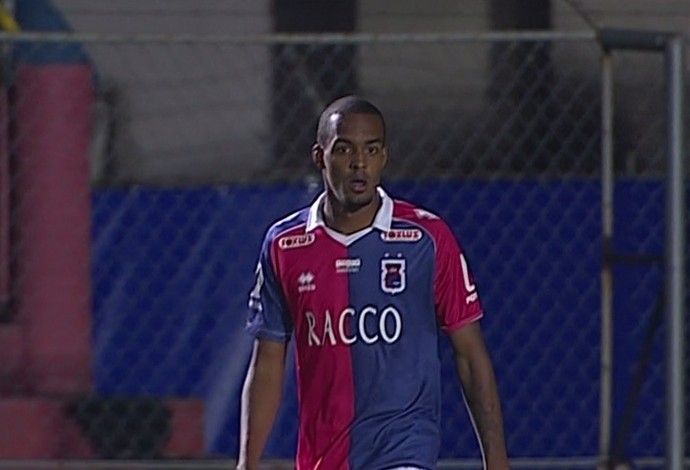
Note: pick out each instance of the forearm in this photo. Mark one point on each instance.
(261, 398)
(481, 392)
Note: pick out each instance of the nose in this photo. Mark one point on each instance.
(358, 159)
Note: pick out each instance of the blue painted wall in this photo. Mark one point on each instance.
(172, 269)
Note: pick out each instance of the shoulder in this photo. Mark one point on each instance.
(431, 223)
(288, 229)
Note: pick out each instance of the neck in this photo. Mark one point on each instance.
(346, 221)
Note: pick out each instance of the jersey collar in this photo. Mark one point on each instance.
(382, 221)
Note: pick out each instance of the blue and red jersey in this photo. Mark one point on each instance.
(365, 311)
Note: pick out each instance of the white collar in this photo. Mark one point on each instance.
(382, 221)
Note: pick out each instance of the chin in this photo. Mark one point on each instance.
(356, 202)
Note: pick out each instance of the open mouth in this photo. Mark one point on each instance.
(358, 185)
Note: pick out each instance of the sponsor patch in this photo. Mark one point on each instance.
(296, 241)
(402, 235)
(348, 265)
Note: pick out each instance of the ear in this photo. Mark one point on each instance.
(385, 157)
(317, 156)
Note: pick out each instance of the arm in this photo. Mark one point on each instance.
(479, 384)
(261, 398)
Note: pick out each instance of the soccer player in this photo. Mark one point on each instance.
(364, 283)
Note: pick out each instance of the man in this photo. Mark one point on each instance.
(364, 283)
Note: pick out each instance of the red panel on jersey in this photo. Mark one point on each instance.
(457, 301)
(318, 300)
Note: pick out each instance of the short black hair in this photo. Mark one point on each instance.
(351, 104)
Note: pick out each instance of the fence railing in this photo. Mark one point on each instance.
(143, 170)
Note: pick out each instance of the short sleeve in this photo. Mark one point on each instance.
(268, 316)
(457, 300)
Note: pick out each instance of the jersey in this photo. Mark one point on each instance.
(365, 311)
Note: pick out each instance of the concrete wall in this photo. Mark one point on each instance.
(407, 77)
(201, 113)
(184, 113)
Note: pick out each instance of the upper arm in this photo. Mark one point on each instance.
(270, 354)
(468, 342)
(267, 363)
(471, 355)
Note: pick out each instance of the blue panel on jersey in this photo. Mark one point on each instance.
(396, 420)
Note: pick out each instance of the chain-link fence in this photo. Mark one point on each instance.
(139, 174)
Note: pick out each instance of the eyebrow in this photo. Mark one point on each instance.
(348, 141)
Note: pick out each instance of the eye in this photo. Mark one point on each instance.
(341, 149)
(374, 150)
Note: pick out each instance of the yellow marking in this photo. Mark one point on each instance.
(7, 21)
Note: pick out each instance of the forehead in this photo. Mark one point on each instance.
(356, 125)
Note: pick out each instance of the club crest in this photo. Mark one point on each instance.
(393, 275)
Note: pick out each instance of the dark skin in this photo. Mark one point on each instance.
(476, 373)
(351, 161)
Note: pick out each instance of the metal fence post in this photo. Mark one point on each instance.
(675, 257)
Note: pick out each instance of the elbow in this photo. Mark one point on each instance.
(464, 368)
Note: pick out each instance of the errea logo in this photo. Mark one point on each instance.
(305, 282)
